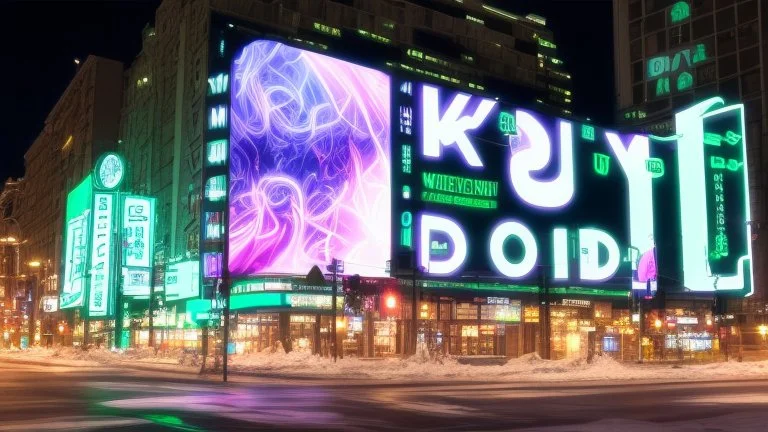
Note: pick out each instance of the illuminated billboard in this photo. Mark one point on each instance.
(483, 188)
(489, 189)
(76, 236)
(309, 176)
(182, 280)
(714, 183)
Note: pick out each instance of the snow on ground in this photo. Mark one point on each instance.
(527, 368)
(739, 422)
(303, 364)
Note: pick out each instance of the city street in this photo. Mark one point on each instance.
(40, 398)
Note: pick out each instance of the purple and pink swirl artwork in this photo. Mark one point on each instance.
(310, 163)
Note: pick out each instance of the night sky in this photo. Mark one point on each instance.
(39, 48)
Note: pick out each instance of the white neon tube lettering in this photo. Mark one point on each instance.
(430, 223)
(589, 262)
(530, 249)
(560, 253)
(525, 161)
(632, 161)
(452, 127)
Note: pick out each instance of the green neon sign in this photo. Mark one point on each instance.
(460, 201)
(459, 185)
(406, 229)
(684, 81)
(216, 188)
(507, 124)
(662, 86)
(407, 159)
(216, 153)
(679, 11)
(601, 163)
(77, 229)
(406, 192)
(588, 132)
(655, 166)
(218, 84)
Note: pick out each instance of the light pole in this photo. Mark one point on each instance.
(34, 297)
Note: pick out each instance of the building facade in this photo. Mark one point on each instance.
(479, 48)
(671, 54)
(82, 125)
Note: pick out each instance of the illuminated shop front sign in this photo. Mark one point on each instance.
(138, 231)
(309, 163)
(77, 234)
(101, 255)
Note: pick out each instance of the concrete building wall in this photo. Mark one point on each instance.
(82, 125)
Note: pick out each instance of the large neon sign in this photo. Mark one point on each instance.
(503, 191)
(495, 190)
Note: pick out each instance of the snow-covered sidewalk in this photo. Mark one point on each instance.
(529, 368)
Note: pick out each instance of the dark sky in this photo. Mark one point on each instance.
(39, 48)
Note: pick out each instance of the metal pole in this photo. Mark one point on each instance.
(414, 315)
(640, 331)
(225, 311)
(151, 340)
(335, 266)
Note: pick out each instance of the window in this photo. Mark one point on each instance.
(651, 45)
(726, 19)
(635, 9)
(661, 41)
(730, 89)
(726, 66)
(703, 27)
(747, 11)
(702, 6)
(749, 58)
(635, 30)
(706, 74)
(637, 72)
(726, 42)
(655, 22)
(750, 83)
(636, 50)
(748, 34)
(705, 92)
(679, 35)
(637, 94)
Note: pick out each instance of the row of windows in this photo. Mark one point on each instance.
(728, 63)
(744, 36)
(736, 88)
(697, 7)
(702, 26)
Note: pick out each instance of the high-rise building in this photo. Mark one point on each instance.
(469, 45)
(670, 54)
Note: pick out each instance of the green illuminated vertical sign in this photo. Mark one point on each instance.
(406, 229)
(588, 132)
(216, 152)
(714, 185)
(218, 84)
(138, 231)
(407, 159)
(101, 283)
(76, 235)
(602, 163)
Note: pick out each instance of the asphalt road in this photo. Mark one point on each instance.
(43, 398)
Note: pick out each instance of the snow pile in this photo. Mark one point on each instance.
(423, 366)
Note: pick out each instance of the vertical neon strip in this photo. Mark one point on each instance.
(560, 253)
(632, 160)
